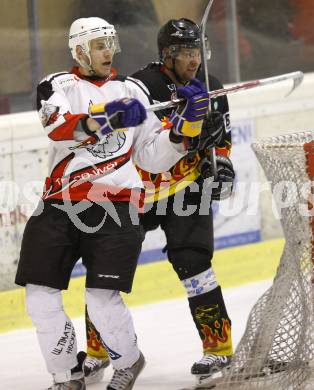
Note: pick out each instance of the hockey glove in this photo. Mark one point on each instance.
(118, 114)
(213, 130)
(225, 178)
(187, 120)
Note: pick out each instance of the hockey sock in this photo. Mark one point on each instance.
(95, 347)
(212, 322)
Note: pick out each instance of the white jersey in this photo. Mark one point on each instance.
(106, 169)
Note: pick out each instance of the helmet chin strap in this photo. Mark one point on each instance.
(173, 70)
(84, 64)
(88, 67)
(91, 71)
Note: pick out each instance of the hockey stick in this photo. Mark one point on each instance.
(203, 37)
(211, 151)
(297, 78)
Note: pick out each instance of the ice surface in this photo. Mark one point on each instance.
(166, 335)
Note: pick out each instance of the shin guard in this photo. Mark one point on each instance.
(54, 329)
(95, 347)
(113, 321)
(212, 322)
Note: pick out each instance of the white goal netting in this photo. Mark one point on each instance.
(277, 347)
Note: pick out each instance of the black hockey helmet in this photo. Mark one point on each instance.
(175, 32)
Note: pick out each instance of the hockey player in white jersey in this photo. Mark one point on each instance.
(91, 197)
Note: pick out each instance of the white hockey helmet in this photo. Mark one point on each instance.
(83, 30)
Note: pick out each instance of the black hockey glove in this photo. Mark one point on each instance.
(225, 177)
(223, 183)
(213, 130)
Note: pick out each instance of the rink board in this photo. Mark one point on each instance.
(24, 164)
(157, 281)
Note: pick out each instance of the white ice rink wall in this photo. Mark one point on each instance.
(248, 217)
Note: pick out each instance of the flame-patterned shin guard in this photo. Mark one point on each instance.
(95, 347)
(212, 322)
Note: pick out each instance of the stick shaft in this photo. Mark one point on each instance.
(211, 151)
(203, 37)
(297, 78)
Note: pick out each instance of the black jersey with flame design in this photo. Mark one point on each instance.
(161, 88)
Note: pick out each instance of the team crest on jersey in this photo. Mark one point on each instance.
(109, 145)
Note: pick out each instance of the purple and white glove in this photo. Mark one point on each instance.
(188, 119)
(118, 114)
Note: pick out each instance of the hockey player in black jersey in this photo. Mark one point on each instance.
(190, 238)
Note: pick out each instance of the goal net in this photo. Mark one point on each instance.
(277, 347)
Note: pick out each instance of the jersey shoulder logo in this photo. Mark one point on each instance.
(48, 113)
